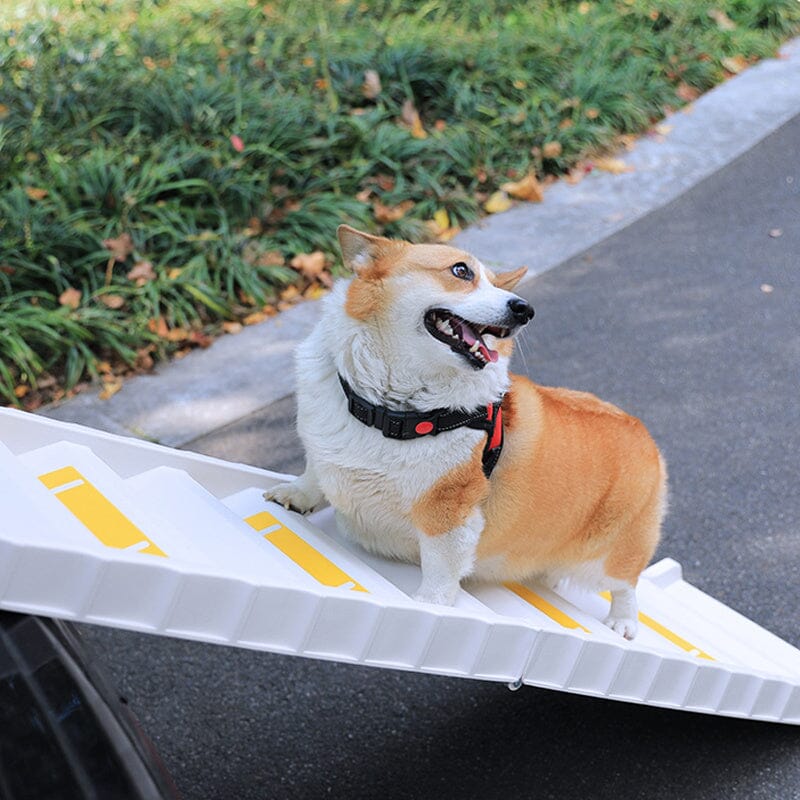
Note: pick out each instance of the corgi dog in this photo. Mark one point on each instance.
(429, 450)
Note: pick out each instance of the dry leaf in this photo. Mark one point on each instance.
(112, 300)
(290, 294)
(36, 194)
(364, 195)
(662, 129)
(21, 390)
(442, 219)
(314, 292)
(410, 117)
(592, 113)
(158, 326)
(775, 233)
(371, 87)
(384, 213)
(4, 111)
(528, 188)
(120, 248)
(724, 22)
(71, 298)
(552, 149)
(144, 360)
(616, 166)
(498, 202)
(232, 327)
(255, 317)
(141, 273)
(200, 339)
(440, 125)
(312, 267)
(686, 92)
(767, 288)
(237, 143)
(735, 64)
(110, 388)
(7, 269)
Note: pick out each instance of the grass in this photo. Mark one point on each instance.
(225, 138)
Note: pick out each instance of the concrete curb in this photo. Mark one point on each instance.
(240, 374)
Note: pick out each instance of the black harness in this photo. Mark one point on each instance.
(416, 424)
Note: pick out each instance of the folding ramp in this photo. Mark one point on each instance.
(103, 529)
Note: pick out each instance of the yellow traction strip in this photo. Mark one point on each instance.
(97, 512)
(301, 552)
(556, 614)
(671, 636)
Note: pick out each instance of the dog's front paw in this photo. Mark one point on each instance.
(295, 496)
(624, 626)
(440, 595)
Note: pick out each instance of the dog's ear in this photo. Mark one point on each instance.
(508, 280)
(360, 250)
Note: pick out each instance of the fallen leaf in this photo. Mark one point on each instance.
(120, 248)
(410, 118)
(724, 22)
(290, 294)
(314, 292)
(71, 298)
(200, 339)
(616, 166)
(112, 300)
(237, 143)
(440, 125)
(767, 288)
(775, 233)
(141, 273)
(384, 213)
(158, 326)
(662, 129)
(528, 188)
(312, 267)
(552, 149)
(7, 269)
(255, 317)
(272, 258)
(498, 202)
(21, 390)
(565, 123)
(686, 92)
(232, 327)
(371, 87)
(175, 273)
(144, 359)
(110, 388)
(442, 219)
(592, 113)
(364, 195)
(36, 194)
(4, 111)
(735, 64)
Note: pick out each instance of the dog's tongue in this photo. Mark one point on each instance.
(468, 335)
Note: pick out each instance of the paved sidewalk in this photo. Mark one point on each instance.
(207, 391)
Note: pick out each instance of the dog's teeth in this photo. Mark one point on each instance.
(474, 348)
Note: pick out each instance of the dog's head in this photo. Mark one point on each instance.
(437, 303)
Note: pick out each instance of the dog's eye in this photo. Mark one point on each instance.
(461, 270)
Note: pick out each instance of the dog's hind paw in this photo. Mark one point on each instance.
(295, 496)
(624, 626)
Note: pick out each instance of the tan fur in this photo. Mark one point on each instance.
(579, 480)
(450, 500)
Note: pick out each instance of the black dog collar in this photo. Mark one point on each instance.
(415, 424)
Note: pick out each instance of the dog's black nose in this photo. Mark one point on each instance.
(520, 310)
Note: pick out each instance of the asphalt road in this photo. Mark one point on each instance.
(689, 319)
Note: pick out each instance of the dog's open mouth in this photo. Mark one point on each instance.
(464, 337)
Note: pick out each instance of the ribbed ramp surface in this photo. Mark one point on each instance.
(119, 532)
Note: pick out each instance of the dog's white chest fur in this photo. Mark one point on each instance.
(371, 481)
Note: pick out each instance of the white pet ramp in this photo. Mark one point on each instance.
(115, 531)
